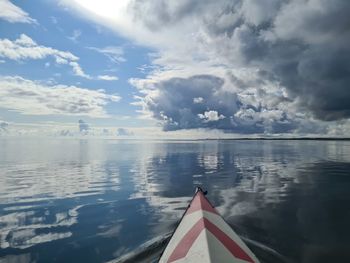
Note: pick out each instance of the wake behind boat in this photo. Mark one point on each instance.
(203, 236)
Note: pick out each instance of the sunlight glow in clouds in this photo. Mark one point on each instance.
(106, 8)
(224, 39)
(238, 67)
(110, 11)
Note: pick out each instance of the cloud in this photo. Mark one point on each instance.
(224, 106)
(299, 46)
(78, 71)
(211, 115)
(198, 100)
(83, 126)
(3, 126)
(34, 98)
(26, 48)
(13, 14)
(114, 53)
(124, 132)
(107, 77)
(75, 35)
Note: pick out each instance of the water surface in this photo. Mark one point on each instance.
(70, 200)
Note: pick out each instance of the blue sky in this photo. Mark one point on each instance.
(188, 68)
(58, 29)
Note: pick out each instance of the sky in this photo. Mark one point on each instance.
(175, 69)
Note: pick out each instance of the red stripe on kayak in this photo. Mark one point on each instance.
(187, 241)
(230, 244)
(199, 202)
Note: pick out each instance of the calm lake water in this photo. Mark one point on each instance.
(67, 200)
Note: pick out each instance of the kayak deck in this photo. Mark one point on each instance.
(203, 236)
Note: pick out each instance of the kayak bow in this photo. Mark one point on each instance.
(203, 236)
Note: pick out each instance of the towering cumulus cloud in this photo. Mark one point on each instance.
(207, 52)
(204, 101)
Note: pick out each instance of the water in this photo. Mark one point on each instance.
(99, 200)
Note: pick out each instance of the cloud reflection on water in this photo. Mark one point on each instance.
(113, 196)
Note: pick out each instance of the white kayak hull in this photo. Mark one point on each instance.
(203, 236)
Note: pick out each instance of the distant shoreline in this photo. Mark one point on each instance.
(247, 139)
(281, 139)
(187, 140)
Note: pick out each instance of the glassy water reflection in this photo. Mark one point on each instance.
(97, 200)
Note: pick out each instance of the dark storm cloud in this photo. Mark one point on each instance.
(202, 102)
(304, 44)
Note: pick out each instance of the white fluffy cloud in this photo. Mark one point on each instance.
(13, 13)
(25, 48)
(107, 77)
(78, 71)
(34, 98)
(198, 100)
(211, 115)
